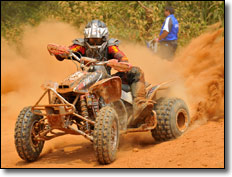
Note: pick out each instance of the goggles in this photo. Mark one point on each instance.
(95, 41)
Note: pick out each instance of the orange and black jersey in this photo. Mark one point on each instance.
(113, 52)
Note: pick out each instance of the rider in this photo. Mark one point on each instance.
(96, 44)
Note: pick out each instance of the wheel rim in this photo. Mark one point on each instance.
(182, 120)
(114, 136)
(34, 131)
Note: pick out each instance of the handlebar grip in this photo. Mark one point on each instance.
(58, 57)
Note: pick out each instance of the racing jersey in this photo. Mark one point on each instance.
(112, 51)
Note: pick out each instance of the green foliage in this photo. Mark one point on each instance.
(125, 19)
(15, 14)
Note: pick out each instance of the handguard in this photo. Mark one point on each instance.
(55, 49)
(119, 66)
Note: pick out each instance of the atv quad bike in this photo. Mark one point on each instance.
(96, 105)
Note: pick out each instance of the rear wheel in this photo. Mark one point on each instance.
(172, 119)
(26, 129)
(106, 135)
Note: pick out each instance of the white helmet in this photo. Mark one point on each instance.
(96, 29)
(95, 37)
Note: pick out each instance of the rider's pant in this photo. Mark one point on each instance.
(135, 79)
(142, 107)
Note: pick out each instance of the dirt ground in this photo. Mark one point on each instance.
(202, 147)
(200, 83)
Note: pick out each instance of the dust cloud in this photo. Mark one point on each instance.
(202, 66)
(23, 72)
(198, 69)
(198, 74)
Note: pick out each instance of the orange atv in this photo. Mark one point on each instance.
(96, 105)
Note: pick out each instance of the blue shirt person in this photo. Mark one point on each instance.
(168, 35)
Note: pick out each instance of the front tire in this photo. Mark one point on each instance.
(27, 147)
(106, 135)
(172, 119)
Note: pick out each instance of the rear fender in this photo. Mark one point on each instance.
(151, 91)
(109, 89)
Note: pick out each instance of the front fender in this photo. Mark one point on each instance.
(109, 89)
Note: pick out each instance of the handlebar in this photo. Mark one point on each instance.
(86, 61)
(76, 57)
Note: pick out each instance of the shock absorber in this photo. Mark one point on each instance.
(89, 100)
(84, 109)
(83, 105)
(95, 105)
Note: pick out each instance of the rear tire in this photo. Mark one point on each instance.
(28, 148)
(106, 135)
(172, 119)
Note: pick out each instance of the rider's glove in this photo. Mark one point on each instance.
(119, 66)
(60, 58)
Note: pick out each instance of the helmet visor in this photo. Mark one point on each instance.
(95, 41)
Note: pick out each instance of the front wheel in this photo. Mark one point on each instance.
(27, 127)
(106, 135)
(172, 119)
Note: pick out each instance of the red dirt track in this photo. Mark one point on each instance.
(202, 147)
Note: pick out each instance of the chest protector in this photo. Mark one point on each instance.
(98, 52)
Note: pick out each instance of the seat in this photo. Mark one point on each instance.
(126, 88)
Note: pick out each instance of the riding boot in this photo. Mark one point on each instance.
(142, 107)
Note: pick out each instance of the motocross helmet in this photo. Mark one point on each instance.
(95, 37)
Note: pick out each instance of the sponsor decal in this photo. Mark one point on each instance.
(76, 48)
(115, 49)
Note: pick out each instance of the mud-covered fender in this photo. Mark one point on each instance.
(109, 89)
(151, 91)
